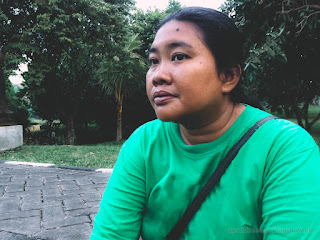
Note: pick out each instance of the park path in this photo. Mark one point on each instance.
(47, 202)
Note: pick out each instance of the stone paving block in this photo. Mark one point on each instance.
(105, 175)
(27, 226)
(31, 182)
(65, 202)
(92, 217)
(99, 180)
(74, 203)
(74, 191)
(41, 205)
(101, 190)
(18, 177)
(31, 198)
(20, 214)
(76, 232)
(53, 198)
(84, 181)
(81, 212)
(66, 222)
(5, 179)
(68, 177)
(14, 236)
(10, 204)
(32, 192)
(51, 192)
(51, 204)
(91, 197)
(15, 188)
(89, 188)
(20, 194)
(2, 188)
(50, 178)
(53, 184)
(68, 186)
(93, 204)
(31, 206)
(52, 213)
(100, 185)
(31, 188)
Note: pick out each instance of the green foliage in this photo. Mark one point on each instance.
(173, 6)
(12, 24)
(69, 38)
(281, 52)
(123, 70)
(145, 24)
(18, 105)
(65, 43)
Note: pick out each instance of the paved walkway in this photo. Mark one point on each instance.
(46, 202)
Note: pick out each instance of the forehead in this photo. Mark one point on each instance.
(178, 31)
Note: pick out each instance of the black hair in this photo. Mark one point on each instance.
(220, 35)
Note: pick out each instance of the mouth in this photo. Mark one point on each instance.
(162, 97)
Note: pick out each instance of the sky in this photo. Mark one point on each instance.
(17, 79)
(144, 5)
(162, 4)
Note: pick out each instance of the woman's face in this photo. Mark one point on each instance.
(182, 82)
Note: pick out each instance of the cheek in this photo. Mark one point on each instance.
(148, 84)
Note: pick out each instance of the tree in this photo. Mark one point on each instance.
(70, 38)
(173, 6)
(121, 73)
(282, 51)
(14, 18)
(145, 24)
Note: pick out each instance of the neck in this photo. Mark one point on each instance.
(209, 131)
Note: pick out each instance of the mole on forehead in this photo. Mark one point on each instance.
(177, 29)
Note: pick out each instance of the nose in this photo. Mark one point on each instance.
(161, 75)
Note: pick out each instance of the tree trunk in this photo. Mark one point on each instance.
(306, 116)
(316, 119)
(119, 120)
(5, 114)
(70, 131)
(289, 113)
(298, 114)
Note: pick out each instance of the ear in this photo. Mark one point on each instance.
(230, 78)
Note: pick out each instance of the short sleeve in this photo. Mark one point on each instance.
(123, 202)
(290, 197)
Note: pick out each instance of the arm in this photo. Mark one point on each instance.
(290, 197)
(123, 202)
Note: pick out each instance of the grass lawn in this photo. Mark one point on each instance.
(102, 155)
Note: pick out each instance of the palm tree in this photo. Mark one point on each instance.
(120, 73)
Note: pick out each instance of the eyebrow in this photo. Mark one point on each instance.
(171, 46)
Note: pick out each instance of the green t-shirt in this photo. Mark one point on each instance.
(270, 190)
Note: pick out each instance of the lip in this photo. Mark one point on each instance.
(162, 97)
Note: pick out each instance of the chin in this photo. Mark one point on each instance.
(167, 117)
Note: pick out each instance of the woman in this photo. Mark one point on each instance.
(271, 189)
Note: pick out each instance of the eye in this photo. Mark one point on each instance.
(179, 57)
(153, 61)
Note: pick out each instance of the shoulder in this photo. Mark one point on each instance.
(288, 135)
(148, 133)
(149, 129)
(282, 131)
(288, 147)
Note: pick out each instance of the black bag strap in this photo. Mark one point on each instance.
(180, 226)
